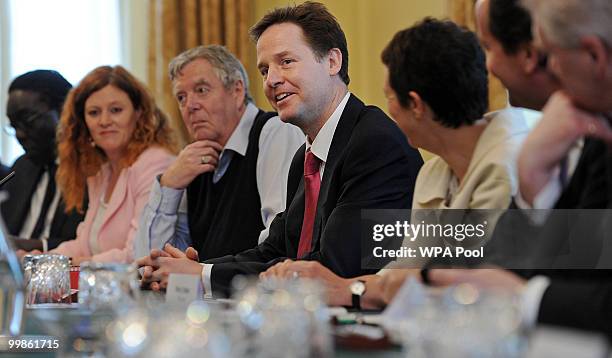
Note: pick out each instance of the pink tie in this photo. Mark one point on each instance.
(312, 185)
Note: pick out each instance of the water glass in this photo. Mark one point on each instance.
(27, 262)
(48, 279)
(463, 321)
(284, 318)
(170, 331)
(108, 285)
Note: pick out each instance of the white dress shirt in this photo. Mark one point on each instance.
(35, 208)
(550, 193)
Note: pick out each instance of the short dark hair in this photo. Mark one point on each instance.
(321, 30)
(445, 65)
(50, 85)
(510, 24)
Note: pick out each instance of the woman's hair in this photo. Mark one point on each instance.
(445, 65)
(78, 159)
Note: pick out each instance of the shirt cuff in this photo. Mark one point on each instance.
(543, 202)
(531, 298)
(206, 271)
(548, 196)
(263, 235)
(521, 203)
(163, 199)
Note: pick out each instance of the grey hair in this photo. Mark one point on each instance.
(227, 67)
(565, 21)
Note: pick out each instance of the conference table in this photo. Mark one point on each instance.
(85, 331)
(66, 323)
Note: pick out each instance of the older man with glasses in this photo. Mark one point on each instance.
(34, 209)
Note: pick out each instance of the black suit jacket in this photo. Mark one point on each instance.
(580, 229)
(583, 298)
(20, 190)
(579, 303)
(4, 171)
(578, 298)
(587, 189)
(369, 165)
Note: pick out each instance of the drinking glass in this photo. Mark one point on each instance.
(49, 279)
(108, 286)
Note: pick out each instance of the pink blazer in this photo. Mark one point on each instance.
(120, 221)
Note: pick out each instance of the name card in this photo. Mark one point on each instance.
(183, 289)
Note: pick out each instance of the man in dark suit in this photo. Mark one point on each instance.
(34, 208)
(355, 157)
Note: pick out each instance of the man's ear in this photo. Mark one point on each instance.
(416, 104)
(530, 59)
(335, 61)
(598, 52)
(238, 92)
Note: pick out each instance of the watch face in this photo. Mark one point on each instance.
(358, 288)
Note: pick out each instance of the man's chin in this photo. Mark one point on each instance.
(288, 116)
(590, 105)
(285, 118)
(517, 101)
(205, 135)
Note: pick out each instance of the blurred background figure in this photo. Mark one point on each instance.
(576, 36)
(112, 142)
(35, 208)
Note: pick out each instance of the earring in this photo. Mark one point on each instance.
(92, 143)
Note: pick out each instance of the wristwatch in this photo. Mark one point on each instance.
(357, 288)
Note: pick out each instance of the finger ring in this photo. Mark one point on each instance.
(592, 128)
(296, 275)
(205, 159)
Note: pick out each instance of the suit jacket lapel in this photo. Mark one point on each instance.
(341, 137)
(15, 209)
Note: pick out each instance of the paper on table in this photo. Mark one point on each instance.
(411, 294)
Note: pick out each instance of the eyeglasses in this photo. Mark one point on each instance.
(10, 127)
